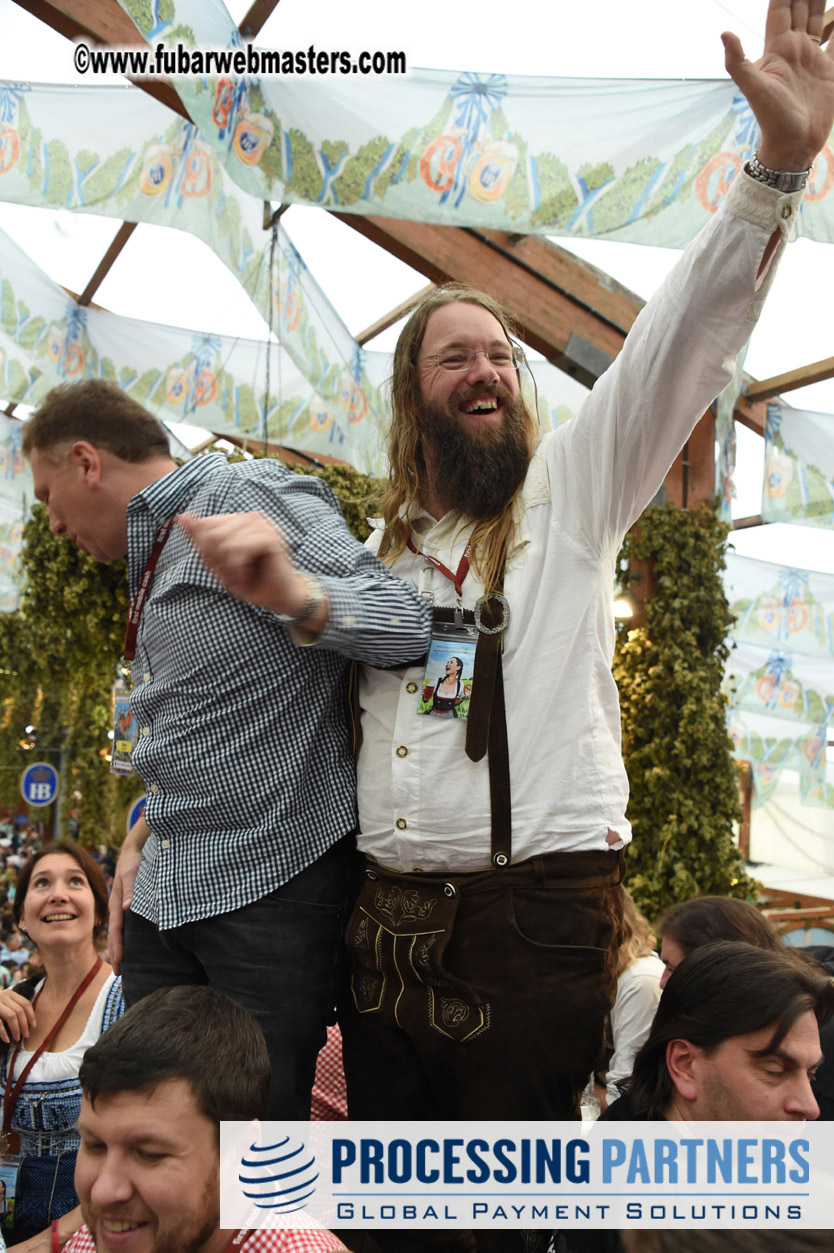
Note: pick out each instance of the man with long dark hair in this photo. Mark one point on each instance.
(735, 1037)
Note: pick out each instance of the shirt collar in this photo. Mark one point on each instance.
(167, 495)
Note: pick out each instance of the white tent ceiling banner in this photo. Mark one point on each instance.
(644, 161)
(778, 677)
(799, 466)
(137, 161)
(180, 375)
(772, 745)
(15, 494)
(818, 793)
(782, 608)
(781, 684)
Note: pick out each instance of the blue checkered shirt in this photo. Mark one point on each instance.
(242, 738)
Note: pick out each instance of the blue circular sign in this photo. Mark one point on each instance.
(39, 783)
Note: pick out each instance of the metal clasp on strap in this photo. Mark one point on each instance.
(483, 604)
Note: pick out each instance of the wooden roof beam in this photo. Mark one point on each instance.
(121, 237)
(564, 308)
(259, 13)
(393, 316)
(788, 382)
(104, 22)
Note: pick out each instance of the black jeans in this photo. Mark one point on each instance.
(481, 996)
(279, 958)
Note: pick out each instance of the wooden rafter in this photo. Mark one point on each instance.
(104, 22)
(260, 11)
(393, 316)
(788, 382)
(564, 308)
(119, 240)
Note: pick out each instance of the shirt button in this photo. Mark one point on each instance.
(401, 824)
(411, 687)
(348, 620)
(165, 844)
(147, 676)
(167, 576)
(146, 730)
(787, 210)
(402, 751)
(154, 788)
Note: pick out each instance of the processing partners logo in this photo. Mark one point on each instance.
(279, 1178)
(548, 1176)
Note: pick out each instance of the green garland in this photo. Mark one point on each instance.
(684, 786)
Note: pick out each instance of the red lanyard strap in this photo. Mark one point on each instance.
(462, 570)
(238, 1239)
(11, 1095)
(134, 615)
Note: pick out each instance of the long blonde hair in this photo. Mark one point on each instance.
(492, 538)
(638, 940)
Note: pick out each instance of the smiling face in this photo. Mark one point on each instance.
(737, 1081)
(476, 395)
(59, 906)
(71, 492)
(147, 1172)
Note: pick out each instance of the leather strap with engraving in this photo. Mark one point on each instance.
(486, 726)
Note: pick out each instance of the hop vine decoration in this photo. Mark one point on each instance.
(684, 793)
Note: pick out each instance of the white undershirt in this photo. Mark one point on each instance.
(51, 1067)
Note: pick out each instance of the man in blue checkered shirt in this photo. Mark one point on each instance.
(238, 876)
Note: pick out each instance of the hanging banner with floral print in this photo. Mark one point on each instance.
(799, 466)
(645, 161)
(15, 497)
(780, 673)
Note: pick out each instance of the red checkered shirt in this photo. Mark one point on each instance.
(300, 1241)
(329, 1103)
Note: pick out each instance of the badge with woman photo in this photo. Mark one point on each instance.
(9, 1171)
(447, 685)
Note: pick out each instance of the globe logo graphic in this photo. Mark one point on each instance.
(278, 1177)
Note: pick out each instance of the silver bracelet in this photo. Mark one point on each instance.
(782, 180)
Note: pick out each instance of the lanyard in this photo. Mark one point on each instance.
(134, 614)
(462, 570)
(11, 1095)
(238, 1239)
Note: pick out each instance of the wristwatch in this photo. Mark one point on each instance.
(782, 180)
(316, 597)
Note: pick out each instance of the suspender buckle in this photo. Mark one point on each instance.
(484, 605)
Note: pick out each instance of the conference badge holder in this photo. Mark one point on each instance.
(125, 733)
(450, 665)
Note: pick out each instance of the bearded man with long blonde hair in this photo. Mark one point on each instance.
(485, 932)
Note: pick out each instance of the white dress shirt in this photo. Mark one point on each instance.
(423, 805)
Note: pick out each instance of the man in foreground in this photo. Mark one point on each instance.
(241, 868)
(484, 936)
(156, 1086)
(735, 1038)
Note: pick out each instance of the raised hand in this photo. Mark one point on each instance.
(791, 89)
